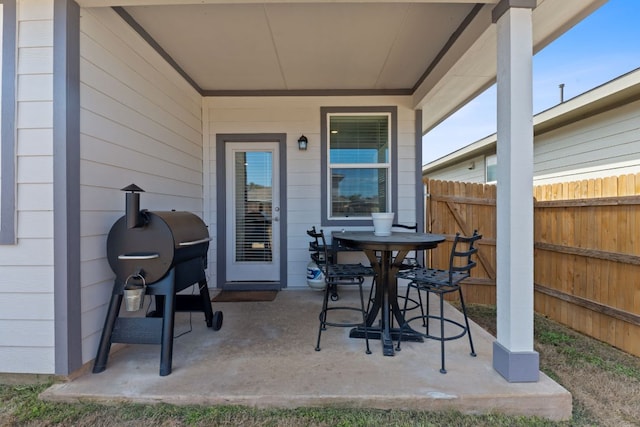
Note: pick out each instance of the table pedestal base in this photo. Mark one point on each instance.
(385, 254)
(387, 342)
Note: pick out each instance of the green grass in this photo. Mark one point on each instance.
(21, 406)
(579, 351)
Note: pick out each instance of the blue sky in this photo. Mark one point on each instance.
(602, 47)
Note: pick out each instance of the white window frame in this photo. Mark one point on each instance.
(330, 166)
(392, 176)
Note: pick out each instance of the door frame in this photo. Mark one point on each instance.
(221, 218)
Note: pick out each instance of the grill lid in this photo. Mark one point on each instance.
(151, 243)
(165, 239)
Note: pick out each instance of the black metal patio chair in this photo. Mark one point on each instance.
(440, 283)
(339, 275)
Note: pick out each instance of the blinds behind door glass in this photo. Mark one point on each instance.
(253, 201)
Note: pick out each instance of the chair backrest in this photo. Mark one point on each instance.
(319, 246)
(411, 260)
(405, 227)
(461, 253)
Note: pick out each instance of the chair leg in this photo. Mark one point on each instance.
(323, 315)
(420, 304)
(426, 316)
(466, 321)
(404, 315)
(328, 293)
(442, 369)
(424, 319)
(373, 285)
(364, 319)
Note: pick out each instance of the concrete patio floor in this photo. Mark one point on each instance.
(264, 356)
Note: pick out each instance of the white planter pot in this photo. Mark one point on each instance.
(382, 222)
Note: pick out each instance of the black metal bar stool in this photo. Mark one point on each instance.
(440, 283)
(340, 275)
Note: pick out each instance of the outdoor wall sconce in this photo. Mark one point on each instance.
(302, 143)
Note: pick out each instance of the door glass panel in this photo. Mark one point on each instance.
(253, 206)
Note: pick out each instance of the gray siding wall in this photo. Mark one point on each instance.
(607, 144)
(295, 116)
(461, 172)
(26, 267)
(140, 123)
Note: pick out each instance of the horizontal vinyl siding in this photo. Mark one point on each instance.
(141, 123)
(604, 145)
(296, 116)
(26, 268)
(461, 172)
(24, 359)
(607, 144)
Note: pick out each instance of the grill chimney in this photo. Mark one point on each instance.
(132, 206)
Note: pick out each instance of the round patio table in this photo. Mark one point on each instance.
(380, 252)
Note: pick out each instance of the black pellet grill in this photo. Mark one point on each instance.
(162, 253)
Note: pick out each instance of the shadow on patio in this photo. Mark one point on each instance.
(264, 356)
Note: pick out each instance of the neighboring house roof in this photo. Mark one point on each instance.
(615, 93)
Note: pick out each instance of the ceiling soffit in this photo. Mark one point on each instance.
(442, 53)
(303, 46)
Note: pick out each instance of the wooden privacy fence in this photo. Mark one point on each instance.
(463, 207)
(586, 253)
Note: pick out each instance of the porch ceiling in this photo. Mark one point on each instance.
(441, 52)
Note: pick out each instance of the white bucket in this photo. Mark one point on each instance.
(133, 299)
(382, 222)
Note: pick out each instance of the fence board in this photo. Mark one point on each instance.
(587, 250)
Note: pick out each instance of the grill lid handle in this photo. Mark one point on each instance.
(139, 256)
(195, 242)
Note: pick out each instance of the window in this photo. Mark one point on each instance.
(491, 164)
(358, 164)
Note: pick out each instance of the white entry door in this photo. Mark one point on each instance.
(252, 212)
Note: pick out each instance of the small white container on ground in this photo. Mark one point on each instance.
(315, 277)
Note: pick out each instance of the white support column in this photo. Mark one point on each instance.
(513, 354)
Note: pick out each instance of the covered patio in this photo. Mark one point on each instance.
(167, 94)
(264, 357)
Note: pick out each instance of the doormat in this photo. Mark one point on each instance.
(245, 296)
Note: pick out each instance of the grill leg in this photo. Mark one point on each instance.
(157, 327)
(166, 351)
(100, 364)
